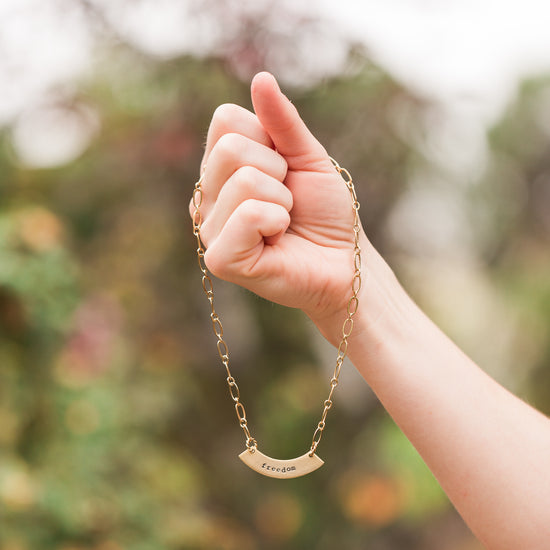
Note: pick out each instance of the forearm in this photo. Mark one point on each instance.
(489, 450)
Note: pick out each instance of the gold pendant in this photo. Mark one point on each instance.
(282, 469)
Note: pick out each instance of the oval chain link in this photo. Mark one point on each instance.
(217, 327)
(353, 305)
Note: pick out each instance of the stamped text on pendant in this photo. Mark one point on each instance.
(282, 469)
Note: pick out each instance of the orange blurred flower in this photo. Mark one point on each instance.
(372, 500)
(39, 229)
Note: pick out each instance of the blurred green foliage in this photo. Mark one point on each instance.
(116, 430)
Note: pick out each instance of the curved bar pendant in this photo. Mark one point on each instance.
(282, 469)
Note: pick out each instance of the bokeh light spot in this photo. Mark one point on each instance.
(371, 500)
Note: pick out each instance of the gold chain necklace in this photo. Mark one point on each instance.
(251, 456)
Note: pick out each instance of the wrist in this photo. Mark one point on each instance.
(384, 313)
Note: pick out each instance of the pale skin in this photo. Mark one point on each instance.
(277, 220)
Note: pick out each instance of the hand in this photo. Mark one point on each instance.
(277, 216)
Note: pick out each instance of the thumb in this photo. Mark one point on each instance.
(281, 121)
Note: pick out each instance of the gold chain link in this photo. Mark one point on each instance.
(217, 327)
(353, 305)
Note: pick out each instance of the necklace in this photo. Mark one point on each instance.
(252, 456)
